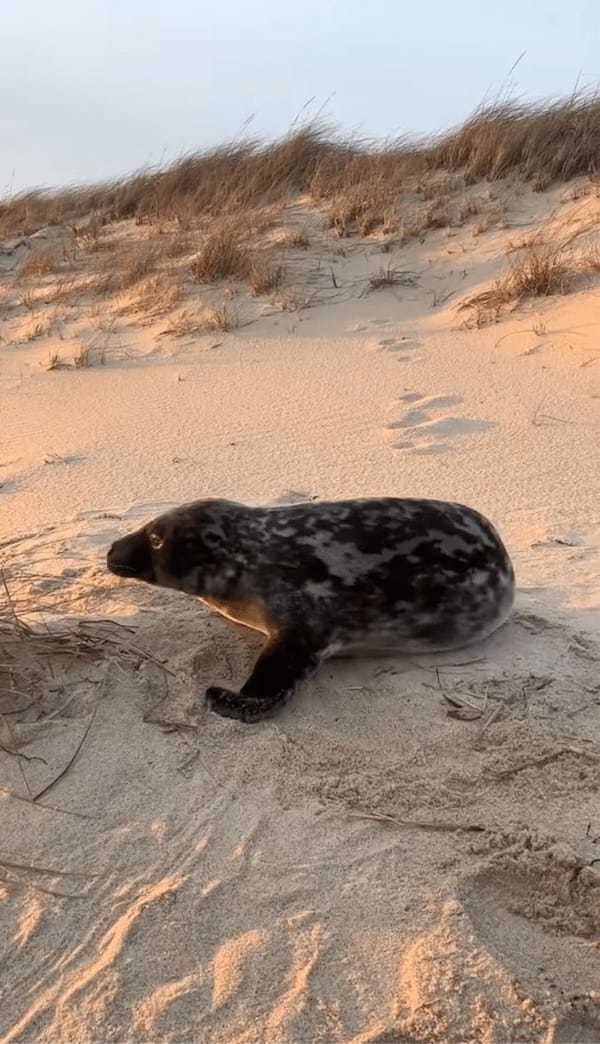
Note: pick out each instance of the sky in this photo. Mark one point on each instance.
(94, 89)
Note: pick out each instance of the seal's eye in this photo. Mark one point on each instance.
(156, 541)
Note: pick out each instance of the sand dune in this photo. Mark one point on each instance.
(409, 851)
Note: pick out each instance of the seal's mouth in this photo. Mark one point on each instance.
(130, 558)
(128, 573)
(118, 569)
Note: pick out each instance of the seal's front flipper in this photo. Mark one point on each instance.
(286, 659)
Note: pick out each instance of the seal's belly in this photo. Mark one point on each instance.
(250, 612)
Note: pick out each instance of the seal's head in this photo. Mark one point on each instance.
(133, 556)
(183, 549)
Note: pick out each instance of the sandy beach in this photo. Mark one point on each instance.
(410, 850)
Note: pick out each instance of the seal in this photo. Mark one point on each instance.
(350, 577)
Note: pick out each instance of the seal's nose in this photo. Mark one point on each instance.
(117, 563)
(117, 566)
(129, 556)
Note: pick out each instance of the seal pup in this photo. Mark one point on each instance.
(319, 579)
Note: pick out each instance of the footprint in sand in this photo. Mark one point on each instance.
(369, 324)
(577, 1028)
(425, 431)
(537, 914)
(9, 485)
(404, 344)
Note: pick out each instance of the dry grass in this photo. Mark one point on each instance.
(221, 257)
(220, 318)
(542, 142)
(538, 270)
(138, 263)
(494, 217)
(466, 209)
(185, 323)
(37, 328)
(31, 658)
(592, 259)
(232, 179)
(82, 357)
(42, 263)
(86, 355)
(264, 277)
(359, 181)
(297, 239)
(64, 290)
(91, 235)
(397, 188)
(388, 277)
(127, 268)
(54, 361)
(436, 215)
(152, 296)
(29, 300)
(200, 321)
(366, 207)
(178, 245)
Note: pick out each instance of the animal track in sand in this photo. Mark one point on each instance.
(425, 431)
(535, 911)
(577, 1028)
(9, 485)
(404, 343)
(362, 327)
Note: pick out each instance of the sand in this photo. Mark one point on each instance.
(409, 851)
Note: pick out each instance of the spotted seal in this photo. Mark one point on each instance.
(332, 578)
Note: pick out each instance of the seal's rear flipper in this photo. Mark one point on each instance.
(286, 659)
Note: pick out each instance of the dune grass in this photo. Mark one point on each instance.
(46, 262)
(390, 277)
(264, 277)
(360, 180)
(222, 256)
(205, 218)
(537, 270)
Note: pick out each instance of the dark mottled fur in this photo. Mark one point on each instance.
(320, 579)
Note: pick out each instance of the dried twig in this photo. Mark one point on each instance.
(544, 759)
(488, 721)
(462, 705)
(538, 418)
(20, 754)
(169, 726)
(414, 824)
(32, 868)
(71, 761)
(38, 888)
(46, 808)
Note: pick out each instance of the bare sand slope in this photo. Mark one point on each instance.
(409, 851)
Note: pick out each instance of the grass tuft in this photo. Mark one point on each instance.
(297, 239)
(221, 257)
(264, 277)
(41, 263)
(387, 277)
(539, 271)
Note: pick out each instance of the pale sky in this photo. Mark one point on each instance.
(91, 89)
